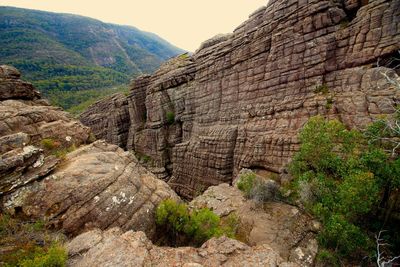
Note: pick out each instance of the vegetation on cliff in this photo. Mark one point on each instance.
(181, 226)
(28, 243)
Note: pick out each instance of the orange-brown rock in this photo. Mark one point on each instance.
(241, 99)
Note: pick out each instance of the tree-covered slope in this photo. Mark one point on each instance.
(64, 52)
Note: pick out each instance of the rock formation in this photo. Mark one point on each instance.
(115, 248)
(241, 99)
(25, 120)
(97, 185)
(284, 228)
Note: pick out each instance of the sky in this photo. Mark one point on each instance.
(184, 23)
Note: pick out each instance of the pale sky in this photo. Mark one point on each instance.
(184, 23)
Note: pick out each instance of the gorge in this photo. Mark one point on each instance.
(241, 99)
(189, 130)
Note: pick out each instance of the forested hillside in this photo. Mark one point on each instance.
(61, 52)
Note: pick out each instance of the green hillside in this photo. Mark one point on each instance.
(62, 53)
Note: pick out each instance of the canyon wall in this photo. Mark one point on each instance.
(241, 99)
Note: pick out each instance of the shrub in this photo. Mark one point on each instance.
(170, 117)
(203, 225)
(55, 256)
(189, 227)
(246, 183)
(327, 258)
(334, 180)
(323, 88)
(62, 153)
(49, 144)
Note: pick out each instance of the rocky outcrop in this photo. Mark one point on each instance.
(97, 185)
(240, 100)
(11, 87)
(283, 227)
(115, 248)
(25, 121)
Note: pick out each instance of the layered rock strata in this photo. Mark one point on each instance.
(25, 121)
(241, 99)
(96, 186)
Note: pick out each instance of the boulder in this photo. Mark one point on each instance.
(96, 186)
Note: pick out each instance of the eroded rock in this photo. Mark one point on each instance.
(116, 248)
(26, 120)
(283, 227)
(96, 186)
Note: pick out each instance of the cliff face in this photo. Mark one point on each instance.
(241, 99)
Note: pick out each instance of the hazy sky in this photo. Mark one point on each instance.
(184, 23)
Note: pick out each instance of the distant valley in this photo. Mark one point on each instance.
(74, 60)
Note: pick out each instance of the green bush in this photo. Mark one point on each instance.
(246, 183)
(49, 144)
(327, 258)
(55, 256)
(170, 117)
(336, 177)
(189, 227)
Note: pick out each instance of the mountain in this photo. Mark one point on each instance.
(60, 53)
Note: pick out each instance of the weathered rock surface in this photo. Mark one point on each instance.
(115, 248)
(11, 87)
(241, 99)
(98, 185)
(283, 227)
(25, 120)
(110, 120)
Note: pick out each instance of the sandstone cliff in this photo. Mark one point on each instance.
(241, 99)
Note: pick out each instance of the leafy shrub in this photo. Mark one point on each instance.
(189, 227)
(335, 181)
(170, 117)
(327, 258)
(29, 244)
(246, 183)
(49, 143)
(55, 256)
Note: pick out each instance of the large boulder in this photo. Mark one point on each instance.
(96, 186)
(116, 248)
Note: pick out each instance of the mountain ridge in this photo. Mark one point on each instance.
(68, 52)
